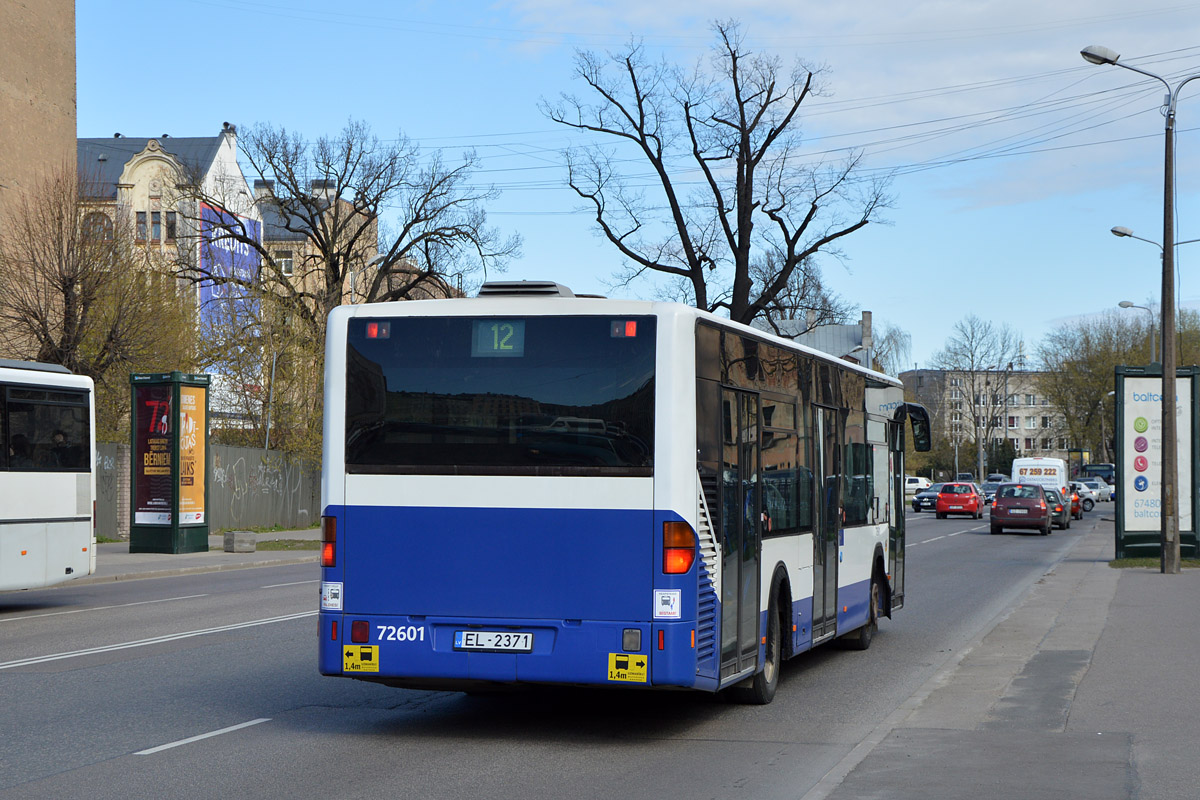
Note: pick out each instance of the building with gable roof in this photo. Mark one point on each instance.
(149, 179)
(152, 184)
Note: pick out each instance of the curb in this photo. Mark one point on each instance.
(196, 570)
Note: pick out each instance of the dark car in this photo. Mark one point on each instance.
(1060, 512)
(926, 500)
(989, 490)
(1020, 505)
(960, 498)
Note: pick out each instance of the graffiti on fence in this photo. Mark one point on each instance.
(248, 488)
(258, 488)
(108, 491)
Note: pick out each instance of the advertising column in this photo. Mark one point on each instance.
(1139, 467)
(168, 442)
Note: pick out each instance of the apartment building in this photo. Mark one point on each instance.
(993, 405)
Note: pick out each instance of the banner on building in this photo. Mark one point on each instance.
(224, 256)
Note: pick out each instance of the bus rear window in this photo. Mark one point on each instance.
(530, 395)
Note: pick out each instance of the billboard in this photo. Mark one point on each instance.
(192, 428)
(226, 257)
(153, 496)
(1141, 452)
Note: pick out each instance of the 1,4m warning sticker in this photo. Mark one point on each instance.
(629, 667)
(360, 658)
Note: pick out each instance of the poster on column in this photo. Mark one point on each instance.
(152, 459)
(1141, 497)
(191, 454)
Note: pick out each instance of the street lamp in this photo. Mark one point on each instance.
(379, 259)
(1169, 537)
(1128, 304)
(1126, 233)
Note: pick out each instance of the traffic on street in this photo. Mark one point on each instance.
(209, 680)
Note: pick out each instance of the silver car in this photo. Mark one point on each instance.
(1101, 488)
(1087, 496)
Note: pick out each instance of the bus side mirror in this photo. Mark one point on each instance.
(918, 416)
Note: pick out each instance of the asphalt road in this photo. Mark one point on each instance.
(206, 685)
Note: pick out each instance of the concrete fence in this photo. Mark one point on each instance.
(247, 488)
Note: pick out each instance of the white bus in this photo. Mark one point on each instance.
(533, 487)
(47, 475)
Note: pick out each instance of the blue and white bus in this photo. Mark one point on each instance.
(47, 475)
(533, 487)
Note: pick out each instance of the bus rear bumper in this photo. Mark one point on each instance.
(413, 650)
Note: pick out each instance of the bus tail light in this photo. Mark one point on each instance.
(360, 631)
(679, 547)
(328, 541)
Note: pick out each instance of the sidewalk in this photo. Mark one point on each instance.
(1084, 690)
(114, 562)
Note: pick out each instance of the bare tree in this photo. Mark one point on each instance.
(978, 353)
(891, 349)
(1080, 360)
(732, 122)
(330, 196)
(804, 303)
(76, 289)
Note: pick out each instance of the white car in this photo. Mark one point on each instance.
(1101, 488)
(915, 483)
(1088, 497)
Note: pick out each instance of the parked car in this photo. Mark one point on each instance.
(1103, 491)
(1087, 496)
(1020, 505)
(926, 500)
(1060, 512)
(960, 498)
(1076, 505)
(915, 483)
(989, 490)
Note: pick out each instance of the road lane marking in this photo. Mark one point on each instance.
(172, 637)
(101, 608)
(190, 739)
(295, 583)
(947, 535)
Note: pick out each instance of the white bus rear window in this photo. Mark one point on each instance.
(530, 395)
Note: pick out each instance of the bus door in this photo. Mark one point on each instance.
(741, 530)
(829, 522)
(896, 516)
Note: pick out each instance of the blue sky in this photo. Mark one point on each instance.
(1012, 157)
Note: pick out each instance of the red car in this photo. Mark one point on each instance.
(1021, 505)
(960, 498)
